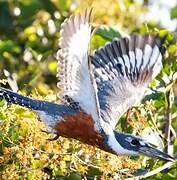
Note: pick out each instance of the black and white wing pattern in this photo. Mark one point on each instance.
(75, 80)
(123, 69)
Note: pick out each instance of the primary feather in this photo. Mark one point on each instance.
(74, 74)
(123, 69)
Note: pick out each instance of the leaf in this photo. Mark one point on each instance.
(6, 20)
(108, 33)
(97, 41)
(9, 46)
(35, 164)
(172, 49)
(158, 97)
(94, 172)
(52, 67)
(63, 5)
(29, 9)
(74, 176)
(173, 12)
(2, 103)
(12, 132)
(140, 172)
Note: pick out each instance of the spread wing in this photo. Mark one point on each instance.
(123, 69)
(74, 74)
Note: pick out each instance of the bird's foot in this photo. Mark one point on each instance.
(50, 139)
(45, 131)
(53, 139)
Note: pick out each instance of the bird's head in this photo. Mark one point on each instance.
(127, 144)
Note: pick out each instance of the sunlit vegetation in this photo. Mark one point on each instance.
(29, 32)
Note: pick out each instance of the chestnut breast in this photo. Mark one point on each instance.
(80, 126)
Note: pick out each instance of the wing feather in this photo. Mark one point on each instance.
(123, 69)
(74, 74)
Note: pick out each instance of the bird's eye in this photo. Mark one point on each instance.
(135, 142)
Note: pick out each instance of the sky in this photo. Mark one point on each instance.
(159, 10)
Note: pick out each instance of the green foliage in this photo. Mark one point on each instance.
(174, 12)
(108, 33)
(29, 32)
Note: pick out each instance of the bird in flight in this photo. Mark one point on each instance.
(96, 89)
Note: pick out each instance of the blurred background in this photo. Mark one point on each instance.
(29, 33)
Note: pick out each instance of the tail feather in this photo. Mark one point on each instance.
(15, 98)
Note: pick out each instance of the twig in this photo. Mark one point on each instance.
(169, 120)
(155, 171)
(85, 163)
(71, 154)
(45, 152)
(168, 127)
(126, 173)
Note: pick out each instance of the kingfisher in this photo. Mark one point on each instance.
(95, 90)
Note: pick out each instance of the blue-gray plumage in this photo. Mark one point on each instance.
(50, 108)
(96, 90)
(121, 69)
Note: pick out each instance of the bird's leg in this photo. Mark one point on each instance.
(55, 138)
(51, 139)
(45, 131)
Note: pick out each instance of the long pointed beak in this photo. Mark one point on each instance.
(153, 152)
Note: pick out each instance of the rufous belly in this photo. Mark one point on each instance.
(80, 126)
